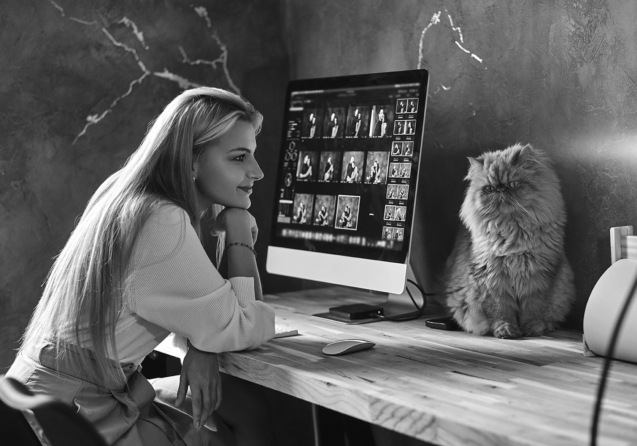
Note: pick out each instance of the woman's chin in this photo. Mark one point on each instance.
(242, 204)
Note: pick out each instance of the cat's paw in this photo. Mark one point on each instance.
(507, 331)
(536, 328)
(476, 327)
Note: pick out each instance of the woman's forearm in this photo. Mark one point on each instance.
(243, 263)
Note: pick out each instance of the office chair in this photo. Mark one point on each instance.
(60, 423)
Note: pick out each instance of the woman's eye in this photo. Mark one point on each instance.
(513, 184)
(239, 158)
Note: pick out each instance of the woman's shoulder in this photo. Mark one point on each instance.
(166, 214)
(164, 231)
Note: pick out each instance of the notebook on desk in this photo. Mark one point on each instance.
(283, 331)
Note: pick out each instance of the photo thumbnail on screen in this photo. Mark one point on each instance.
(307, 169)
(353, 167)
(324, 210)
(358, 117)
(302, 208)
(381, 120)
(377, 164)
(312, 119)
(347, 211)
(330, 166)
(334, 122)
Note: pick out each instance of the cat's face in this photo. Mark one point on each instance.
(498, 183)
(515, 183)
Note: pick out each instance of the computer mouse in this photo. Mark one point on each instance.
(346, 346)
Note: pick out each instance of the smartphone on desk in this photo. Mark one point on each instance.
(443, 323)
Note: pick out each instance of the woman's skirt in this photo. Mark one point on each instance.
(125, 415)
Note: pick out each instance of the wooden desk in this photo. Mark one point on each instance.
(448, 388)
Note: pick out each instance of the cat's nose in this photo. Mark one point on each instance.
(500, 188)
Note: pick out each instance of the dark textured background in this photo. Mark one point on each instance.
(558, 74)
(59, 66)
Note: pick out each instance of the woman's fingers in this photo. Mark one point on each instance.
(218, 393)
(183, 388)
(196, 407)
(206, 407)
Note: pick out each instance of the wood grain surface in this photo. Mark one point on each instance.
(448, 388)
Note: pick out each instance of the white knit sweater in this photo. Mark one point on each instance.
(176, 289)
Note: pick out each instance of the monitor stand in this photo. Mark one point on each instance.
(396, 306)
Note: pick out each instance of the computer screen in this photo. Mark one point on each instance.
(347, 179)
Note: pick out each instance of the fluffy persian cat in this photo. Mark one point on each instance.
(507, 274)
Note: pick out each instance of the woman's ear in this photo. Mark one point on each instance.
(195, 169)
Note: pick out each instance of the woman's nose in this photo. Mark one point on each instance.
(255, 172)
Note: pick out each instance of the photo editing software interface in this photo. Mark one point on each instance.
(348, 168)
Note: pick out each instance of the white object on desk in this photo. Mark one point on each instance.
(283, 331)
(346, 346)
(602, 310)
(623, 245)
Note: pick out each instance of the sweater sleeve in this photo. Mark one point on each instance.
(176, 286)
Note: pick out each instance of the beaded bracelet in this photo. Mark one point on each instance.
(245, 246)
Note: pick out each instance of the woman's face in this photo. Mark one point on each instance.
(226, 170)
(381, 115)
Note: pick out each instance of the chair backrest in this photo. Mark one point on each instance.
(15, 428)
(61, 424)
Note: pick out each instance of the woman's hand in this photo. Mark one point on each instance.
(200, 371)
(238, 224)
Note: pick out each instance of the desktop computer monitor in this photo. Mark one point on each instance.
(347, 179)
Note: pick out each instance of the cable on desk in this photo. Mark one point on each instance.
(607, 362)
(419, 310)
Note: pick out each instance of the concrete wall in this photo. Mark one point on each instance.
(558, 74)
(79, 82)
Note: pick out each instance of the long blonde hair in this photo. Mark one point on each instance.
(87, 285)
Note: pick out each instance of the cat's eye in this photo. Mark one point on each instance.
(489, 189)
(513, 184)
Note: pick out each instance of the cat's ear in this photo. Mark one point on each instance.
(477, 163)
(521, 155)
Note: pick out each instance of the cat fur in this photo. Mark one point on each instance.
(507, 274)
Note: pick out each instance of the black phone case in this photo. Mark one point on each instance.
(443, 323)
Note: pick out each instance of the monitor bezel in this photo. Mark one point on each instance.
(386, 258)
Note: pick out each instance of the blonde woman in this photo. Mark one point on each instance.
(134, 271)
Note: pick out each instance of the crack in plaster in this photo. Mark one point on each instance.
(94, 119)
(83, 22)
(223, 58)
(203, 13)
(459, 31)
(454, 28)
(182, 81)
(165, 74)
(58, 7)
(130, 24)
(435, 19)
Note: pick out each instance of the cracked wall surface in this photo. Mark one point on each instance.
(79, 83)
(80, 80)
(560, 75)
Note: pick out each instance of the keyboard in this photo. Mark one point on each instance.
(283, 331)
